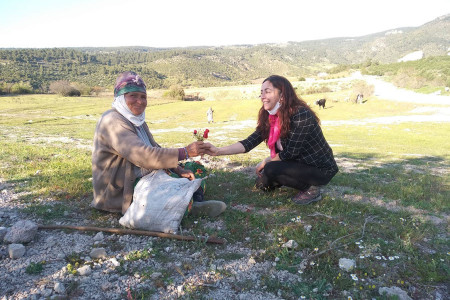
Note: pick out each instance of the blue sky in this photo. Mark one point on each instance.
(181, 23)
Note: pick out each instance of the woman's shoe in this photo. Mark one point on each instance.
(309, 196)
(211, 208)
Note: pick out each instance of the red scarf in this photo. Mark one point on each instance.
(274, 134)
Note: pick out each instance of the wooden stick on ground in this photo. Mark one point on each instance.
(132, 231)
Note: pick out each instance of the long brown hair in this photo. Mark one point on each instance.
(289, 106)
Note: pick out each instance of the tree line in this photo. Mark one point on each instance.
(90, 70)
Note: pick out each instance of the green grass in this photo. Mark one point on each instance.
(45, 153)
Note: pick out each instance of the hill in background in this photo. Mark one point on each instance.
(218, 66)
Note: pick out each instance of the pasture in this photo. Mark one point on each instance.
(387, 208)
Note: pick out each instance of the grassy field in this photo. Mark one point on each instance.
(387, 208)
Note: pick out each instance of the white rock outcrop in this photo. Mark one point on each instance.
(416, 55)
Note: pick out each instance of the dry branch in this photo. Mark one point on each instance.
(135, 232)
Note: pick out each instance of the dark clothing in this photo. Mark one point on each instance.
(292, 174)
(306, 158)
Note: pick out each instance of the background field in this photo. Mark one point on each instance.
(387, 208)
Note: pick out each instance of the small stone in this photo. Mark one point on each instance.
(50, 242)
(346, 264)
(98, 253)
(251, 261)
(46, 293)
(168, 249)
(34, 297)
(59, 288)
(307, 227)
(114, 262)
(21, 232)
(99, 237)
(16, 251)
(85, 279)
(155, 275)
(84, 271)
(291, 244)
(394, 291)
(3, 232)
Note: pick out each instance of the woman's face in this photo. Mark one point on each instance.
(136, 102)
(269, 95)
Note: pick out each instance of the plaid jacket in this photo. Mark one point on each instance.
(304, 143)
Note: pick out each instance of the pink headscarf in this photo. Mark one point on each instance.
(274, 134)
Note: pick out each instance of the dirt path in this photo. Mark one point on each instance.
(388, 91)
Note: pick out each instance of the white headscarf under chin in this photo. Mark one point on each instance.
(121, 106)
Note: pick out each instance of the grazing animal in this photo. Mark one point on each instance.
(359, 98)
(321, 103)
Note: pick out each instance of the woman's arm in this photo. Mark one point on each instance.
(262, 164)
(235, 148)
(118, 136)
(184, 173)
(240, 147)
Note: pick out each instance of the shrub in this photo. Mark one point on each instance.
(175, 92)
(5, 88)
(21, 88)
(97, 90)
(84, 89)
(73, 92)
(64, 88)
(404, 79)
(317, 90)
(361, 87)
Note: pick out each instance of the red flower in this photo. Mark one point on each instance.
(195, 131)
(205, 134)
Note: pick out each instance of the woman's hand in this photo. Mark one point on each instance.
(210, 149)
(260, 166)
(183, 173)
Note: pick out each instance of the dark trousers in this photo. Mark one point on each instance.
(292, 174)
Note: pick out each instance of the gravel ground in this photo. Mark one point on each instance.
(172, 269)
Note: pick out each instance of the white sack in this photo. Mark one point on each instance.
(159, 202)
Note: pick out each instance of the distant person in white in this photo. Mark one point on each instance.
(209, 114)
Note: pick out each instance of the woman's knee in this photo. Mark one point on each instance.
(270, 169)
